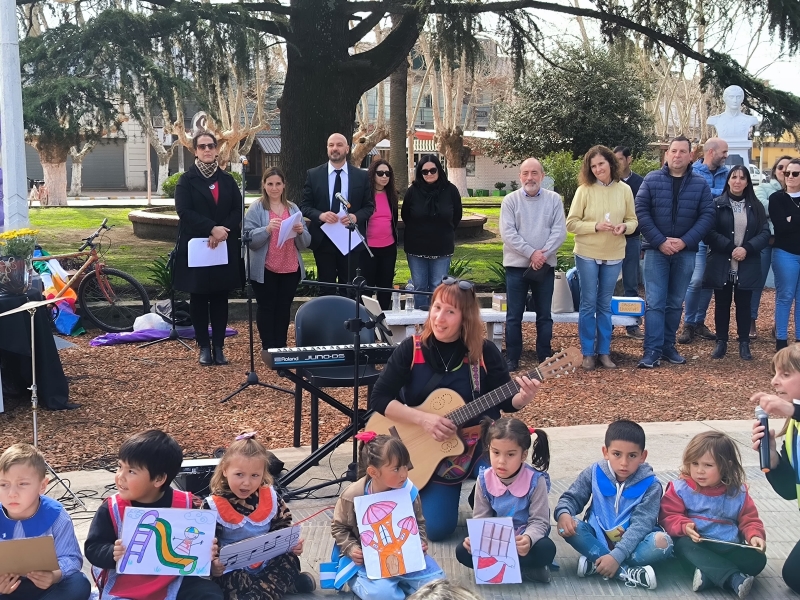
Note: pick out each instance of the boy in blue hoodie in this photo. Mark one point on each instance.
(619, 536)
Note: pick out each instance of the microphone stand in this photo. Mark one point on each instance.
(252, 376)
(173, 333)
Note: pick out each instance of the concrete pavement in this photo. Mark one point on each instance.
(572, 449)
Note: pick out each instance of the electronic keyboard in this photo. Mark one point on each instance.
(326, 356)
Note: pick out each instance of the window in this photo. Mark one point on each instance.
(470, 166)
(271, 160)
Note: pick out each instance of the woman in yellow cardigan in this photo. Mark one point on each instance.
(601, 212)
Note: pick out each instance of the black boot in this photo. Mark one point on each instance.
(744, 351)
(720, 350)
(219, 356)
(781, 344)
(205, 356)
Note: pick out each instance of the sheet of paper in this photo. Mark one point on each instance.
(340, 235)
(286, 232)
(167, 541)
(389, 534)
(18, 557)
(259, 549)
(494, 551)
(202, 255)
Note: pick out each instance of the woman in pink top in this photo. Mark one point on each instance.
(381, 231)
(275, 270)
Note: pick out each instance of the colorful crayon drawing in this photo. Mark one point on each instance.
(494, 551)
(389, 534)
(147, 536)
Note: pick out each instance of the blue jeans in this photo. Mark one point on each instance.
(665, 281)
(646, 553)
(697, 299)
(630, 266)
(395, 588)
(516, 297)
(766, 264)
(72, 587)
(426, 275)
(594, 321)
(787, 291)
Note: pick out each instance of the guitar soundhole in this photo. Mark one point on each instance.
(441, 401)
(449, 445)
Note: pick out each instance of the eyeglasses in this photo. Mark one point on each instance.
(383, 174)
(792, 174)
(206, 146)
(462, 283)
(432, 171)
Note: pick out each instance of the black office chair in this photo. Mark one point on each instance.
(320, 322)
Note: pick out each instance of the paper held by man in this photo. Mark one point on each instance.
(203, 255)
(340, 235)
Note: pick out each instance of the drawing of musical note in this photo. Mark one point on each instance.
(259, 549)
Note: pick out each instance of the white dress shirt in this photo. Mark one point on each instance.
(332, 180)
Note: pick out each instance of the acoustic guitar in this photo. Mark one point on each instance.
(426, 453)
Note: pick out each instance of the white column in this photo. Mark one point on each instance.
(12, 137)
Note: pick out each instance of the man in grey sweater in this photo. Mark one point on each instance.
(532, 227)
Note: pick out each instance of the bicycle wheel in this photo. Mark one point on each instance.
(113, 300)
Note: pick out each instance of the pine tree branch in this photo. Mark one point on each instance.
(364, 27)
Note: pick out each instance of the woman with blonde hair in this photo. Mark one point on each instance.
(275, 270)
(450, 353)
(601, 212)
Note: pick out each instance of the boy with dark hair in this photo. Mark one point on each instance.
(25, 512)
(148, 462)
(619, 536)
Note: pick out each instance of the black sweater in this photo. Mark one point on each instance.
(787, 233)
(430, 219)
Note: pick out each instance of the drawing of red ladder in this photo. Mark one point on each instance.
(140, 539)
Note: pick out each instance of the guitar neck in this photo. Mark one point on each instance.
(480, 405)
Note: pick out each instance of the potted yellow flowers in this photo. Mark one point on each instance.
(16, 251)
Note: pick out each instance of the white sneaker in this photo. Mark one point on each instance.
(585, 567)
(639, 577)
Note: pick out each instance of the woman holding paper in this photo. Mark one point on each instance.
(275, 268)
(209, 205)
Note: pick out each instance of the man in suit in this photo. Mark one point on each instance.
(319, 205)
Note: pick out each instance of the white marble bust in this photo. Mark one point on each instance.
(733, 125)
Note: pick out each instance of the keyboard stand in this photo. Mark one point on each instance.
(317, 453)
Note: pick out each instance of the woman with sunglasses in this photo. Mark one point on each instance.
(733, 266)
(600, 214)
(431, 213)
(209, 205)
(784, 208)
(452, 353)
(763, 192)
(381, 232)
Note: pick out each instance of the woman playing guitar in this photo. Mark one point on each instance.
(453, 353)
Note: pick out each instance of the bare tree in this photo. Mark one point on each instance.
(76, 184)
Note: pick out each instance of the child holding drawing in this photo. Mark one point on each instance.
(148, 462)
(513, 488)
(247, 506)
(386, 461)
(25, 512)
(710, 502)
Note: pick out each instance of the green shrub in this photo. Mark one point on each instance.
(161, 276)
(168, 189)
(564, 170)
(498, 280)
(644, 164)
(305, 290)
(459, 267)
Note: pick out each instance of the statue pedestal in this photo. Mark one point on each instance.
(742, 148)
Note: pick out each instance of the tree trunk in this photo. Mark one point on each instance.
(163, 171)
(398, 111)
(451, 144)
(76, 185)
(55, 179)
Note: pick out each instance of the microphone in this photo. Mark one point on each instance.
(763, 448)
(343, 200)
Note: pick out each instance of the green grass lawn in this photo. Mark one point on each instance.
(61, 230)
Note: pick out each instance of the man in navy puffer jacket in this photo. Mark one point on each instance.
(675, 212)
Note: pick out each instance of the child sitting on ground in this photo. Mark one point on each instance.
(247, 506)
(148, 462)
(386, 461)
(25, 512)
(619, 536)
(513, 488)
(710, 502)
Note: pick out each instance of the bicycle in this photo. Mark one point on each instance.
(109, 298)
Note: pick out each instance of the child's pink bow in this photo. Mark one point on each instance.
(366, 436)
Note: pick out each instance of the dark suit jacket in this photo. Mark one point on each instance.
(199, 214)
(316, 200)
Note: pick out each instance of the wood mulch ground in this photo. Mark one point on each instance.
(123, 389)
